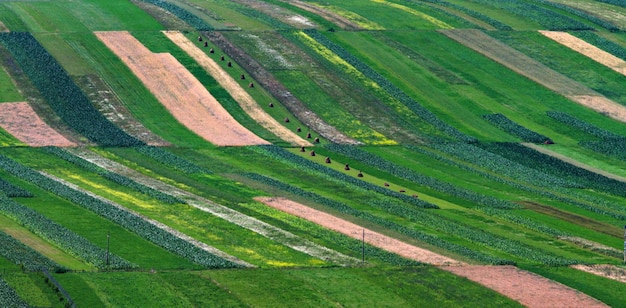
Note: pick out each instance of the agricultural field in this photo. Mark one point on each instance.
(380, 153)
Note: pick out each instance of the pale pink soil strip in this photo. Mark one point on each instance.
(355, 231)
(21, 121)
(588, 50)
(180, 92)
(247, 103)
(529, 289)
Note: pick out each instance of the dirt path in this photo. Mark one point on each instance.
(527, 288)
(536, 71)
(3, 28)
(604, 270)
(180, 92)
(574, 162)
(588, 50)
(21, 121)
(247, 103)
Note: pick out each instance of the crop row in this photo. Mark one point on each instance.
(548, 19)
(61, 93)
(192, 20)
(10, 298)
(408, 174)
(537, 160)
(114, 177)
(523, 221)
(502, 122)
(462, 22)
(582, 125)
(24, 256)
(390, 88)
(333, 175)
(598, 21)
(397, 210)
(271, 21)
(472, 234)
(13, 191)
(503, 166)
(62, 237)
(171, 160)
(124, 218)
(610, 209)
(482, 17)
(354, 246)
(602, 43)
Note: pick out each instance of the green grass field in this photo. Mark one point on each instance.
(483, 200)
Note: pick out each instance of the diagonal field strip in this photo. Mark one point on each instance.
(179, 91)
(537, 72)
(278, 235)
(247, 103)
(587, 50)
(529, 289)
(176, 233)
(21, 121)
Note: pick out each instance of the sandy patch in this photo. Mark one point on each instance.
(247, 103)
(21, 121)
(180, 92)
(588, 50)
(529, 289)
(336, 19)
(355, 231)
(604, 270)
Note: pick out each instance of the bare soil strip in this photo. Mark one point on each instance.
(21, 121)
(247, 103)
(536, 71)
(336, 19)
(529, 289)
(278, 235)
(180, 92)
(574, 162)
(605, 270)
(588, 50)
(279, 13)
(355, 231)
(159, 225)
(3, 27)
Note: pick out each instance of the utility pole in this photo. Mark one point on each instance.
(363, 247)
(108, 241)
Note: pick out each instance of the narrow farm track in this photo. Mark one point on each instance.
(180, 92)
(588, 50)
(536, 71)
(176, 233)
(278, 235)
(527, 288)
(21, 121)
(247, 103)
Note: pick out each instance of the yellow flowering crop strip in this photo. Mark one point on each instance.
(371, 136)
(353, 17)
(419, 14)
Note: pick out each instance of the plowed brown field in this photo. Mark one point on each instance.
(247, 103)
(180, 92)
(527, 288)
(21, 121)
